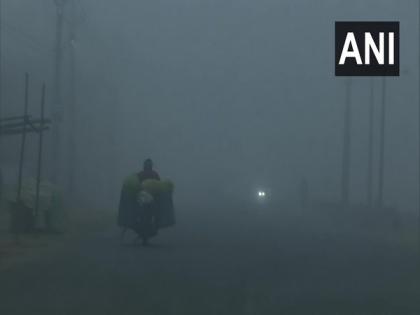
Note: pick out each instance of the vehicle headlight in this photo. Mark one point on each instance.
(261, 194)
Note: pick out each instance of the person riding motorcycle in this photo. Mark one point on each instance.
(147, 214)
(137, 210)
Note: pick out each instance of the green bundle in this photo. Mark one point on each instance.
(132, 184)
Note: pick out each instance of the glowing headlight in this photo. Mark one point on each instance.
(261, 194)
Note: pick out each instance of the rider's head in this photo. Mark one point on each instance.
(148, 165)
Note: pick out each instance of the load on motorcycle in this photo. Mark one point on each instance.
(146, 203)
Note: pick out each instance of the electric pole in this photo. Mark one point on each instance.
(418, 228)
(72, 155)
(1, 64)
(345, 175)
(1, 94)
(57, 92)
(370, 143)
(382, 147)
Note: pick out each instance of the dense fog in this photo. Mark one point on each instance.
(224, 96)
(238, 105)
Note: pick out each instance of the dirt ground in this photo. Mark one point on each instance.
(24, 248)
(224, 261)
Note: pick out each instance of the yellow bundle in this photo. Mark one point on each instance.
(156, 187)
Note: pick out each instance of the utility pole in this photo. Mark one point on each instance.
(418, 228)
(72, 155)
(370, 143)
(1, 93)
(382, 147)
(113, 123)
(57, 96)
(40, 149)
(1, 64)
(345, 175)
(23, 140)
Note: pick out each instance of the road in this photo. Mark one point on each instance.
(229, 262)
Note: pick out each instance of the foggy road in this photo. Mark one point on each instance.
(244, 112)
(252, 263)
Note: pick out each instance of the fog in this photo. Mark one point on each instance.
(218, 93)
(226, 97)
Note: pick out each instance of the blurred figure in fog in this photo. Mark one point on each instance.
(148, 225)
(138, 207)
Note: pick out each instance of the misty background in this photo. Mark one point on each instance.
(224, 96)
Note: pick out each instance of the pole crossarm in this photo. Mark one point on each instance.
(23, 124)
(31, 122)
(12, 118)
(14, 132)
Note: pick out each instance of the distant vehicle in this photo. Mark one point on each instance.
(262, 196)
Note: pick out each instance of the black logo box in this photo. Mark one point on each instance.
(351, 68)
